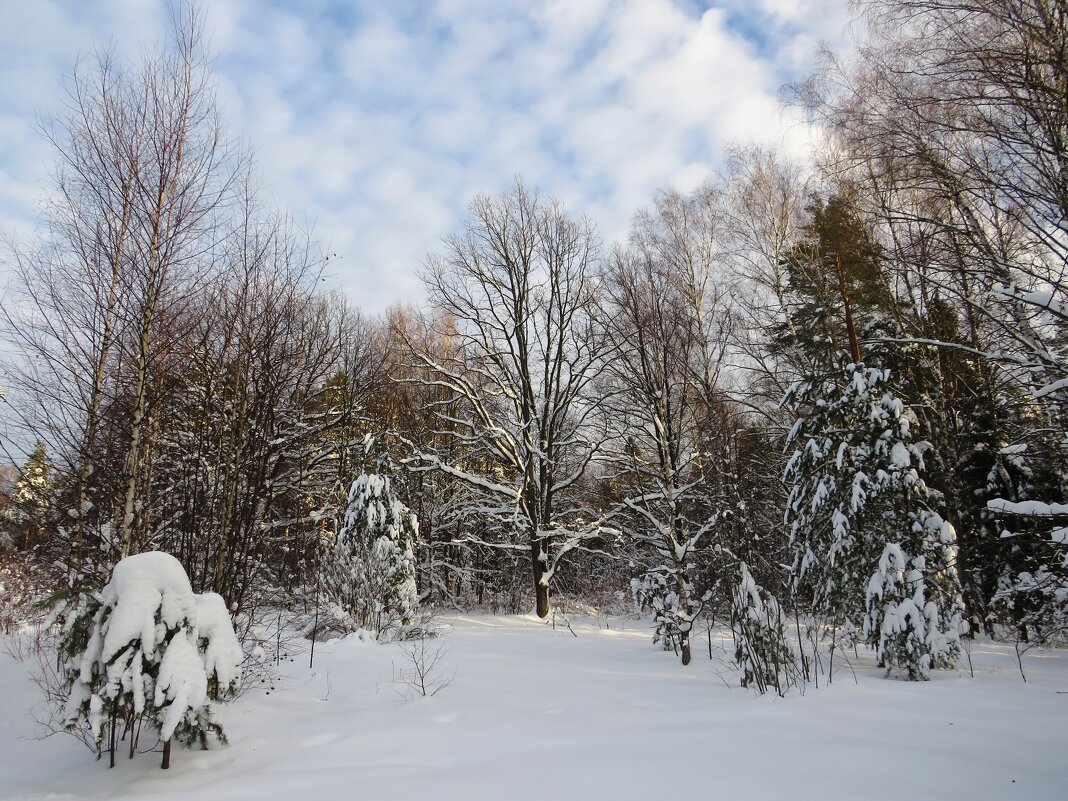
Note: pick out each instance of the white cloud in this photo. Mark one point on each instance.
(378, 121)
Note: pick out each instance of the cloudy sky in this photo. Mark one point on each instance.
(377, 120)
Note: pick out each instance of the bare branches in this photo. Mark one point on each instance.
(670, 312)
(516, 288)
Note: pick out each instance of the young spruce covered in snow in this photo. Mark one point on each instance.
(760, 648)
(868, 544)
(146, 650)
(374, 572)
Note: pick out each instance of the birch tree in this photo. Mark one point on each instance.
(143, 172)
(670, 317)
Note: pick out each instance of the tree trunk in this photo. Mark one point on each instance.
(111, 741)
(144, 354)
(86, 457)
(851, 327)
(133, 460)
(166, 755)
(542, 595)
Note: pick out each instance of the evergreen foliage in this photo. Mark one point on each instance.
(760, 649)
(857, 490)
(146, 650)
(656, 592)
(374, 565)
(26, 514)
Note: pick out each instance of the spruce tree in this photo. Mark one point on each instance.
(374, 566)
(657, 591)
(856, 491)
(146, 650)
(31, 500)
(760, 648)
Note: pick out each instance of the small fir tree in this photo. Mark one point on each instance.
(657, 591)
(374, 568)
(856, 488)
(760, 648)
(30, 501)
(908, 630)
(146, 650)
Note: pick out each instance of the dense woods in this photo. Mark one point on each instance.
(823, 401)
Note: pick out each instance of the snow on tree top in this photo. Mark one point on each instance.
(140, 585)
(899, 456)
(1028, 508)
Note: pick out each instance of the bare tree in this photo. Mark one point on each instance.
(763, 194)
(181, 172)
(671, 318)
(518, 286)
(143, 173)
(263, 417)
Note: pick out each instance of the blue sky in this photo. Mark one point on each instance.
(377, 121)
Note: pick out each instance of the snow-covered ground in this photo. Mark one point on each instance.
(534, 713)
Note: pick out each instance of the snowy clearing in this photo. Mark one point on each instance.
(537, 713)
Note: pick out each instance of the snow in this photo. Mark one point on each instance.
(1051, 388)
(1028, 508)
(182, 681)
(1041, 299)
(899, 456)
(140, 585)
(1013, 450)
(222, 652)
(534, 713)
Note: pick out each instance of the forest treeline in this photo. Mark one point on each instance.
(824, 394)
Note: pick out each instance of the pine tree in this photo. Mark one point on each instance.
(835, 287)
